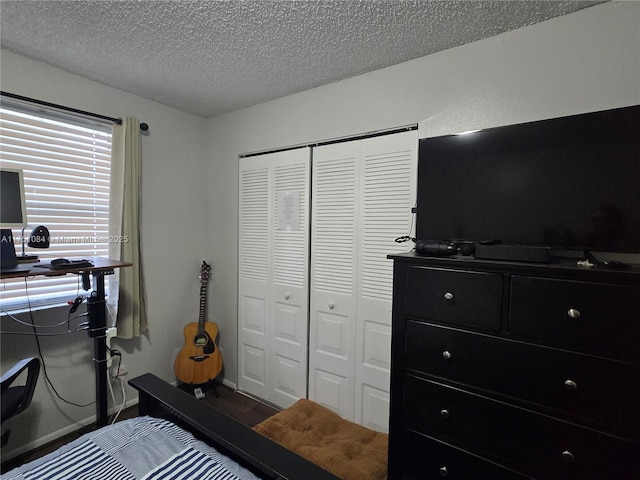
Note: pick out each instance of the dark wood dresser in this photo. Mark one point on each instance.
(505, 370)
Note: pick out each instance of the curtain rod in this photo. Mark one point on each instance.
(118, 121)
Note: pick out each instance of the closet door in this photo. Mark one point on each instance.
(333, 276)
(363, 192)
(289, 293)
(253, 275)
(388, 185)
(273, 276)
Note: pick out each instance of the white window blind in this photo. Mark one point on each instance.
(66, 179)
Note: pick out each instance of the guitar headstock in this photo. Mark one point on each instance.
(205, 272)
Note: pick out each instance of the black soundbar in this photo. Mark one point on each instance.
(515, 253)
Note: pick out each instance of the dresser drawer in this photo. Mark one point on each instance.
(424, 458)
(538, 445)
(455, 297)
(576, 385)
(593, 318)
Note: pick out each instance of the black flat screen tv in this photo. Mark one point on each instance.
(567, 183)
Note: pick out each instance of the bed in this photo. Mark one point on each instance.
(175, 437)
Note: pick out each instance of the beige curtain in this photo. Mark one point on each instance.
(126, 302)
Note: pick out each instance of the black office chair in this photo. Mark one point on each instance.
(16, 398)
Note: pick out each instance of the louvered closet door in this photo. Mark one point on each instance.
(289, 284)
(253, 276)
(333, 277)
(273, 276)
(388, 177)
(363, 192)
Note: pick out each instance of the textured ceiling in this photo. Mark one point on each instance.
(211, 57)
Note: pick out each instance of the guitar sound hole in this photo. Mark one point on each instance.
(203, 340)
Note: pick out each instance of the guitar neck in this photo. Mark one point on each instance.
(203, 307)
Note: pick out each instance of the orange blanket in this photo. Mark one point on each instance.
(348, 450)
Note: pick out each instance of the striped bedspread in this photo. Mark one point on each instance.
(143, 448)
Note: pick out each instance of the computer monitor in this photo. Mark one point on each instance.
(13, 208)
(13, 213)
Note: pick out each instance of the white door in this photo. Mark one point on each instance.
(289, 281)
(253, 275)
(333, 276)
(363, 192)
(388, 184)
(273, 275)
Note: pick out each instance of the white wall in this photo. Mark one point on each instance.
(581, 62)
(173, 217)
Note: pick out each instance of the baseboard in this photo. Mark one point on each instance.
(230, 384)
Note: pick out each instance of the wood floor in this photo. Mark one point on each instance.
(241, 407)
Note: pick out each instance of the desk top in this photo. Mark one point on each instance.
(42, 268)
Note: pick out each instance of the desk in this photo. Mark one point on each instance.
(97, 317)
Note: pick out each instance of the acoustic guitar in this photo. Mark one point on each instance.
(200, 360)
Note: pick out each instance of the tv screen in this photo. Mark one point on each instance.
(567, 183)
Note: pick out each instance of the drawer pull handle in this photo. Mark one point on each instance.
(567, 456)
(574, 313)
(287, 296)
(444, 413)
(446, 355)
(570, 384)
(332, 305)
(448, 296)
(443, 471)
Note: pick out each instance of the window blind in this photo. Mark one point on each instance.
(66, 179)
